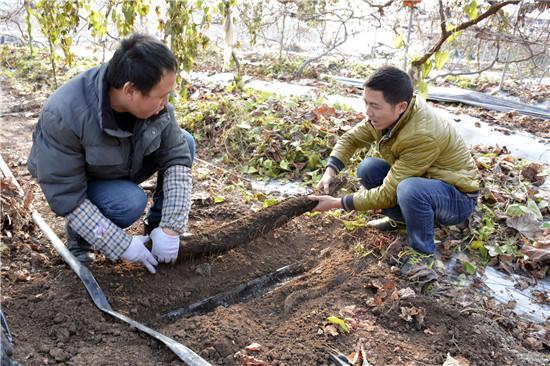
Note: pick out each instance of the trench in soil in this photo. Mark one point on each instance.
(251, 289)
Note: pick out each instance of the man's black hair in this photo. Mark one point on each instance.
(141, 60)
(394, 83)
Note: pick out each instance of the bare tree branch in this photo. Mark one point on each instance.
(335, 43)
(443, 21)
(11, 15)
(446, 33)
(479, 71)
(380, 8)
(490, 35)
(527, 58)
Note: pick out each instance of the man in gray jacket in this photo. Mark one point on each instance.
(98, 137)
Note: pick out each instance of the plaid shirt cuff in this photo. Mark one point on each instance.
(177, 198)
(99, 231)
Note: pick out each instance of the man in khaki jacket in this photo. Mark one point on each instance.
(425, 173)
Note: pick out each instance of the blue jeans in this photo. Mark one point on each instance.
(421, 203)
(123, 201)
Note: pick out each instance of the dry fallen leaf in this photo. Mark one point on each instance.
(253, 347)
(23, 275)
(367, 325)
(405, 293)
(347, 311)
(536, 255)
(331, 330)
(324, 111)
(531, 172)
(28, 199)
(541, 297)
(383, 293)
(413, 313)
(456, 361)
(533, 343)
(526, 224)
(245, 360)
(511, 304)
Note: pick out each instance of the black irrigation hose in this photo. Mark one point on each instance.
(95, 292)
(253, 288)
(470, 97)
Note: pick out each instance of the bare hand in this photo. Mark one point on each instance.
(326, 180)
(326, 203)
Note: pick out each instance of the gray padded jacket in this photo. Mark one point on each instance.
(76, 139)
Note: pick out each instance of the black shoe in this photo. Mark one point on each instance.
(85, 255)
(393, 251)
(79, 247)
(417, 267)
(148, 227)
(386, 224)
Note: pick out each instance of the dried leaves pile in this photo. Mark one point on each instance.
(511, 226)
(15, 210)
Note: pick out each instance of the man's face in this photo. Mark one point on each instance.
(145, 106)
(381, 113)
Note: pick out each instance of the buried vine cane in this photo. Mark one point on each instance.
(248, 228)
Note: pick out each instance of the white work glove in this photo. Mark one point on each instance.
(165, 247)
(326, 180)
(137, 253)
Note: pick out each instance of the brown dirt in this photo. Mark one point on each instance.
(53, 320)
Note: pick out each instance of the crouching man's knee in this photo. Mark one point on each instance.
(409, 190)
(190, 143)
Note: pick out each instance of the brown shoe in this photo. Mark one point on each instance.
(386, 224)
(392, 251)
